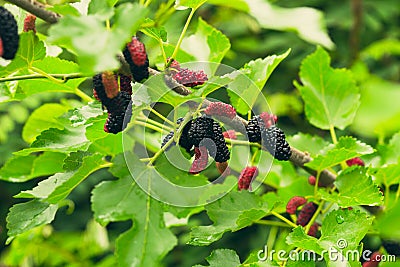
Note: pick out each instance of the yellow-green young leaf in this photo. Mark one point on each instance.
(236, 4)
(331, 96)
(311, 144)
(23, 168)
(25, 216)
(355, 187)
(307, 22)
(232, 212)
(388, 175)
(250, 80)
(159, 33)
(42, 119)
(222, 257)
(207, 44)
(347, 148)
(185, 4)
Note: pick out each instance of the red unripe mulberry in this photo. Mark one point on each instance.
(220, 109)
(246, 176)
(294, 203)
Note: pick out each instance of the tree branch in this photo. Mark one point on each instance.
(36, 9)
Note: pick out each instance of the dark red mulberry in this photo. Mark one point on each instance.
(114, 123)
(355, 161)
(259, 123)
(200, 129)
(223, 168)
(190, 78)
(29, 23)
(294, 203)
(200, 160)
(306, 213)
(230, 134)
(110, 84)
(135, 55)
(374, 260)
(274, 141)
(125, 84)
(246, 177)
(220, 109)
(174, 67)
(9, 38)
(222, 152)
(313, 230)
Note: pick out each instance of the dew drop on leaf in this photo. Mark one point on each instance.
(339, 219)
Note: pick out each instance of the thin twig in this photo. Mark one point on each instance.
(36, 9)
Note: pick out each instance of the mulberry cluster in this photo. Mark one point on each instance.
(355, 161)
(115, 101)
(259, 123)
(9, 38)
(200, 160)
(306, 213)
(136, 56)
(246, 175)
(189, 78)
(29, 23)
(220, 109)
(294, 203)
(274, 140)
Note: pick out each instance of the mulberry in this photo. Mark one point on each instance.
(136, 56)
(201, 128)
(29, 23)
(190, 78)
(110, 84)
(355, 161)
(125, 84)
(230, 134)
(294, 203)
(99, 91)
(222, 153)
(223, 168)
(174, 67)
(200, 160)
(118, 104)
(246, 176)
(220, 109)
(374, 260)
(274, 141)
(312, 180)
(184, 141)
(168, 137)
(9, 38)
(114, 123)
(306, 213)
(259, 123)
(313, 230)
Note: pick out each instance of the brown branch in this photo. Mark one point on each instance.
(357, 12)
(36, 9)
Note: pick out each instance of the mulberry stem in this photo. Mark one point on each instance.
(292, 224)
(82, 95)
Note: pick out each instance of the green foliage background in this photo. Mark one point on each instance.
(313, 95)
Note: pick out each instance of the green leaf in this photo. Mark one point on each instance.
(236, 4)
(347, 148)
(311, 144)
(100, 8)
(158, 33)
(96, 51)
(66, 140)
(184, 4)
(223, 257)
(307, 22)
(377, 50)
(30, 50)
(388, 175)
(148, 240)
(386, 224)
(325, 89)
(232, 212)
(207, 44)
(25, 216)
(74, 160)
(341, 234)
(42, 119)
(58, 186)
(250, 80)
(89, 165)
(23, 168)
(355, 188)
